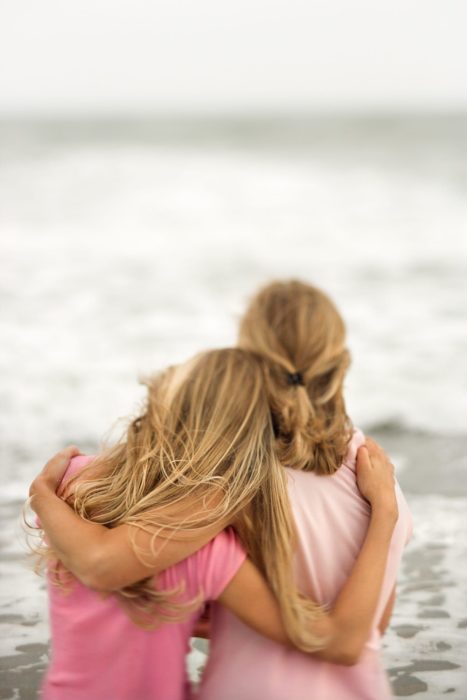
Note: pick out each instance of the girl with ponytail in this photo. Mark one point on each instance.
(300, 336)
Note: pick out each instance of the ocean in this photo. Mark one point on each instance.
(126, 245)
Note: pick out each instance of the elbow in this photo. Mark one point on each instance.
(345, 652)
(97, 575)
(344, 644)
(95, 582)
(347, 656)
(349, 649)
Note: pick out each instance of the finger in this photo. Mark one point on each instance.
(372, 444)
(363, 457)
(62, 458)
(66, 454)
(70, 451)
(375, 449)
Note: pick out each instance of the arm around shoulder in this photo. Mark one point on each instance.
(105, 559)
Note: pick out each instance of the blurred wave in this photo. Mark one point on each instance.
(127, 245)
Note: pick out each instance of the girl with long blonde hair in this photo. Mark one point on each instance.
(200, 457)
(300, 335)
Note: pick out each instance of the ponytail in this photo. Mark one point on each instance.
(300, 336)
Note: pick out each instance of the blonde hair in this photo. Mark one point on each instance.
(301, 336)
(205, 440)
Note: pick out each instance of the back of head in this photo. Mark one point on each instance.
(214, 414)
(205, 428)
(204, 442)
(300, 335)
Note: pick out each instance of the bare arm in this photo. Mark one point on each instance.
(346, 628)
(103, 558)
(249, 597)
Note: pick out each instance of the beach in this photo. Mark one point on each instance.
(426, 644)
(127, 246)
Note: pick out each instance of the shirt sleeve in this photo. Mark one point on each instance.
(76, 464)
(218, 562)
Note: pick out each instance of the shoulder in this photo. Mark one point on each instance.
(76, 465)
(218, 562)
(356, 441)
(225, 544)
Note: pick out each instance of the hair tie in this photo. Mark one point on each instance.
(295, 379)
(137, 423)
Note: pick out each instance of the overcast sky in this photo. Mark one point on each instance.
(212, 55)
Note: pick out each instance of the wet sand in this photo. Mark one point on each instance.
(425, 648)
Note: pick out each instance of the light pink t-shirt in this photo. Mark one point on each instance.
(98, 653)
(332, 520)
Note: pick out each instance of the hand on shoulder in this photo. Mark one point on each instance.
(48, 480)
(375, 478)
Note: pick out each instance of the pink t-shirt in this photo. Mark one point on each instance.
(98, 653)
(332, 520)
